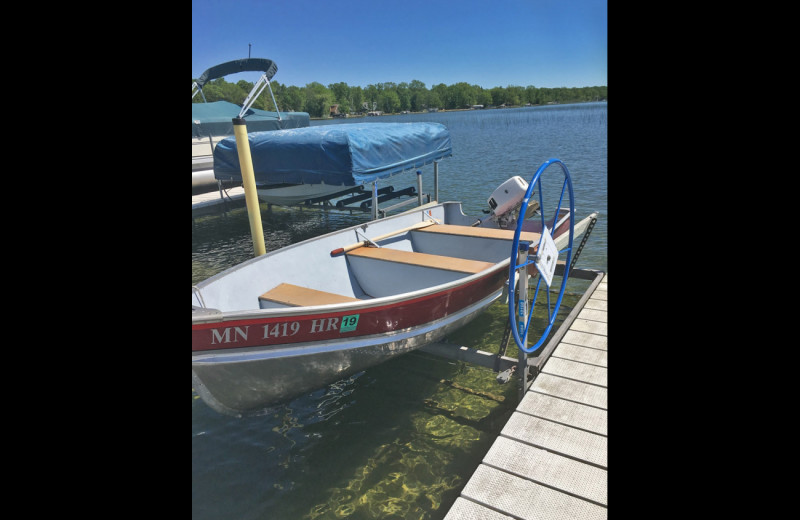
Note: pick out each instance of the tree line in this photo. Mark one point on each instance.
(391, 98)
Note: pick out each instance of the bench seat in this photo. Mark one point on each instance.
(296, 296)
(469, 231)
(447, 263)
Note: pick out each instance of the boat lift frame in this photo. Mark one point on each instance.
(382, 195)
(526, 364)
(377, 196)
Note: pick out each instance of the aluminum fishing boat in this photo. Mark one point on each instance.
(290, 321)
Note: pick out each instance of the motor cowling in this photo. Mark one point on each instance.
(506, 200)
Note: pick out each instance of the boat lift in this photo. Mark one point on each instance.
(361, 200)
(543, 262)
(370, 201)
(524, 363)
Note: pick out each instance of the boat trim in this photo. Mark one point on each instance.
(309, 348)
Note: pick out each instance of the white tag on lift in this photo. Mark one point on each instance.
(547, 257)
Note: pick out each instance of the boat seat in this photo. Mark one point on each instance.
(448, 263)
(469, 231)
(296, 296)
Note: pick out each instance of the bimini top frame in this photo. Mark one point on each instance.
(268, 67)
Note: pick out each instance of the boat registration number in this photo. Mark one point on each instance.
(349, 323)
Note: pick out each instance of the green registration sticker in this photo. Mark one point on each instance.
(349, 323)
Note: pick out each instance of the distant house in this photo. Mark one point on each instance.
(334, 110)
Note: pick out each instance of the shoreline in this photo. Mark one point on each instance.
(451, 110)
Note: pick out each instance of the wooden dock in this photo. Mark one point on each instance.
(211, 201)
(550, 460)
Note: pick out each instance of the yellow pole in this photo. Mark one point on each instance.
(249, 182)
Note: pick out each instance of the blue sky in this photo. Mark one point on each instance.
(490, 43)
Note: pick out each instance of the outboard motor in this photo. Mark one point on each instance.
(506, 201)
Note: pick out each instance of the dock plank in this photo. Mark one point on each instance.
(590, 327)
(525, 499)
(464, 509)
(600, 294)
(565, 412)
(587, 373)
(550, 469)
(594, 314)
(558, 438)
(595, 304)
(587, 355)
(585, 339)
(583, 393)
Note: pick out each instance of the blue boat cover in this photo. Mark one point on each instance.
(347, 154)
(216, 119)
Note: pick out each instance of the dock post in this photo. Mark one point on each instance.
(249, 184)
(436, 181)
(522, 315)
(375, 200)
(419, 187)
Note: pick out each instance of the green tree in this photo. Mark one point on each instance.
(515, 95)
(318, 100)
(341, 96)
(389, 101)
(371, 96)
(391, 97)
(531, 95)
(483, 97)
(461, 95)
(498, 95)
(438, 98)
(404, 94)
(356, 98)
(293, 99)
(341, 92)
(434, 101)
(221, 90)
(545, 95)
(418, 95)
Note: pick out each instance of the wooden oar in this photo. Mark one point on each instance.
(345, 249)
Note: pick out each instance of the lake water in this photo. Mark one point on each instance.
(400, 440)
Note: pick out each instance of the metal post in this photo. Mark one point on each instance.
(249, 183)
(419, 187)
(436, 181)
(375, 200)
(522, 315)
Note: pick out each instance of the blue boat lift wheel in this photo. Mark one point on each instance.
(524, 260)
